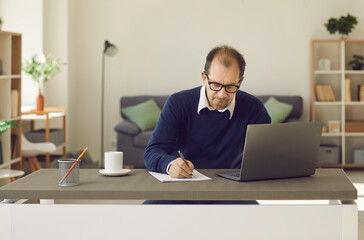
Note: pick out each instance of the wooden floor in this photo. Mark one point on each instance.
(357, 178)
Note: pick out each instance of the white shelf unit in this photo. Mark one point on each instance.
(339, 52)
(10, 79)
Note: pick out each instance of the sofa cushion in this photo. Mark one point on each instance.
(296, 101)
(278, 111)
(145, 115)
(128, 101)
(142, 139)
(127, 127)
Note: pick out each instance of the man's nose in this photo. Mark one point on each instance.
(222, 93)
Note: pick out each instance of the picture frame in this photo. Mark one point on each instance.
(334, 126)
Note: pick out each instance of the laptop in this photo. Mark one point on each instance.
(280, 150)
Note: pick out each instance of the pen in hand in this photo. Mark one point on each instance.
(183, 158)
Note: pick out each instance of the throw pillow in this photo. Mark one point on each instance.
(278, 111)
(145, 115)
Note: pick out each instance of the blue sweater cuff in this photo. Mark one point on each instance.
(164, 163)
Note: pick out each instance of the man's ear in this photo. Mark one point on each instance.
(241, 80)
(204, 78)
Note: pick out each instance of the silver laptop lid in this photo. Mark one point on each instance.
(280, 150)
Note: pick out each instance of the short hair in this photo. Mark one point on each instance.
(226, 54)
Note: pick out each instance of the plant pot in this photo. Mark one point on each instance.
(357, 67)
(40, 101)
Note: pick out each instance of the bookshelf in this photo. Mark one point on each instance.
(346, 108)
(10, 99)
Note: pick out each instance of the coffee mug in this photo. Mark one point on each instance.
(113, 161)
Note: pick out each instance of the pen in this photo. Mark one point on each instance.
(183, 158)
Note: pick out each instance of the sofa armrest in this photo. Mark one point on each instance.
(127, 127)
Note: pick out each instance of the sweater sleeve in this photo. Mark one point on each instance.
(262, 115)
(159, 152)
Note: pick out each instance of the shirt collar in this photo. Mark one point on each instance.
(203, 103)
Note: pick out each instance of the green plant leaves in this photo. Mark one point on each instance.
(4, 125)
(344, 25)
(357, 62)
(42, 68)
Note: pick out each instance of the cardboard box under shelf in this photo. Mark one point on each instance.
(56, 136)
(354, 126)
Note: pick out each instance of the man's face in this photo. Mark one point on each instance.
(224, 75)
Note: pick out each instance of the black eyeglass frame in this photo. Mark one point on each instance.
(222, 85)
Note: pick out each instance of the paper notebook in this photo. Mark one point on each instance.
(196, 176)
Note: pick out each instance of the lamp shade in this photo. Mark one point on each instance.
(110, 49)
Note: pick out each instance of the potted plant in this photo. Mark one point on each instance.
(343, 25)
(41, 69)
(4, 125)
(357, 62)
(1, 22)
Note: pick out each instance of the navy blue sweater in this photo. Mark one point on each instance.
(209, 139)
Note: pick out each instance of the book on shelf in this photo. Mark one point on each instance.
(324, 92)
(361, 93)
(14, 103)
(1, 153)
(319, 92)
(347, 90)
(13, 145)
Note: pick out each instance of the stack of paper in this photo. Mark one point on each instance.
(196, 176)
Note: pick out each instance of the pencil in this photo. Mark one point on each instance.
(68, 172)
(183, 158)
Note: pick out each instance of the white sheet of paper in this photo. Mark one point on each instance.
(196, 176)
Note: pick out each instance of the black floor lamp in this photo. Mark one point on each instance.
(109, 50)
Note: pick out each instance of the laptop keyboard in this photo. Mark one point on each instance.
(235, 174)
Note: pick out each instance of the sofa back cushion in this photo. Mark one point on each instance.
(296, 101)
(144, 115)
(134, 100)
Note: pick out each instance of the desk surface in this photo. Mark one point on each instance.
(326, 184)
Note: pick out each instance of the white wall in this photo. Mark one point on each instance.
(55, 38)
(25, 17)
(44, 28)
(162, 46)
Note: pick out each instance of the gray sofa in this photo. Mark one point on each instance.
(133, 142)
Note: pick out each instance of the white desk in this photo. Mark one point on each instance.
(328, 211)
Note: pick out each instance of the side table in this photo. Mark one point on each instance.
(47, 114)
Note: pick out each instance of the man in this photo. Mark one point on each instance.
(208, 123)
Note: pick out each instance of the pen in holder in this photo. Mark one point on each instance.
(63, 167)
(73, 178)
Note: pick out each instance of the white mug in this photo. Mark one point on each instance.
(113, 161)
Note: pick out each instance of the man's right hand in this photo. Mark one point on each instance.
(179, 169)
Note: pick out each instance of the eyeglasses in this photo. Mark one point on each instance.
(214, 86)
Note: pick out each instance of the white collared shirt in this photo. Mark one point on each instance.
(203, 103)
